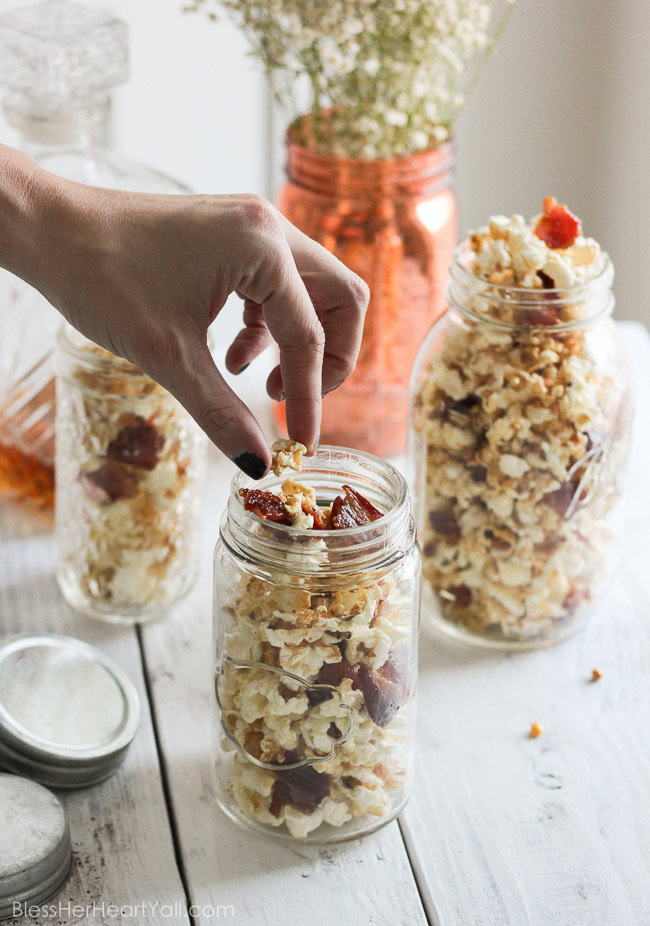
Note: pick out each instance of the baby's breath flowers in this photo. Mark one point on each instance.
(387, 77)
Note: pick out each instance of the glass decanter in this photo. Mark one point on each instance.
(58, 63)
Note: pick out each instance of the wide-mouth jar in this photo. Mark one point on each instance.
(520, 424)
(130, 465)
(315, 658)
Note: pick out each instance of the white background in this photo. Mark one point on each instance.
(562, 108)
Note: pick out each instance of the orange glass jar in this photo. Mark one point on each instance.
(394, 223)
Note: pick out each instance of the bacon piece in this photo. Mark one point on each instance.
(266, 505)
(138, 443)
(443, 522)
(384, 691)
(352, 510)
(319, 524)
(303, 788)
(110, 483)
(558, 228)
(462, 595)
(332, 673)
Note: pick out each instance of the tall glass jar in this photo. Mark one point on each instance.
(315, 643)
(129, 480)
(393, 222)
(521, 413)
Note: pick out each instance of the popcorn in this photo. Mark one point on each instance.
(518, 518)
(287, 454)
(130, 464)
(351, 633)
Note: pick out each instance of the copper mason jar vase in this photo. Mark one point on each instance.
(394, 223)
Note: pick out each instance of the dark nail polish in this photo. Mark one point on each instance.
(251, 464)
(245, 367)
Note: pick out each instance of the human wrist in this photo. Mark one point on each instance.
(24, 191)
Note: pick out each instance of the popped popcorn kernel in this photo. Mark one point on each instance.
(287, 454)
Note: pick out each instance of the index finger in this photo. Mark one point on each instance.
(294, 325)
(275, 284)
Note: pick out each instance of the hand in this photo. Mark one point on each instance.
(145, 275)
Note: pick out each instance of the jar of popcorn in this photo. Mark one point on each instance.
(316, 608)
(129, 480)
(520, 427)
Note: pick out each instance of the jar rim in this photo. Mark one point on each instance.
(527, 298)
(463, 274)
(283, 546)
(241, 481)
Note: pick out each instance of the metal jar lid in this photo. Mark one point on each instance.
(35, 849)
(67, 712)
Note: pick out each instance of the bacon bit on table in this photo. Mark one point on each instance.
(557, 228)
(352, 510)
(595, 675)
(266, 505)
(535, 730)
(138, 443)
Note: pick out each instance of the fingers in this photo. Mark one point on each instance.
(340, 301)
(249, 343)
(340, 298)
(273, 281)
(293, 323)
(201, 389)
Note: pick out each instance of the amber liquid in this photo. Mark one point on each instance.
(27, 447)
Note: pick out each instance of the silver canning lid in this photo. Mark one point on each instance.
(35, 849)
(67, 712)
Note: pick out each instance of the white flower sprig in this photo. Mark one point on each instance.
(386, 76)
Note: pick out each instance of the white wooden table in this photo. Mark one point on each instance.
(502, 829)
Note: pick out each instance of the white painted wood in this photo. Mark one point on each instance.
(267, 883)
(122, 841)
(504, 830)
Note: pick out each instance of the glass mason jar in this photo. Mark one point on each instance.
(521, 414)
(129, 479)
(315, 642)
(394, 223)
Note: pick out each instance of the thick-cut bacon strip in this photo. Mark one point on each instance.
(266, 505)
(352, 510)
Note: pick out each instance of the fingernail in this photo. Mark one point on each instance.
(283, 396)
(245, 367)
(251, 464)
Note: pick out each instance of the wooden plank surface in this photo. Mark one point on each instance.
(555, 831)
(124, 853)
